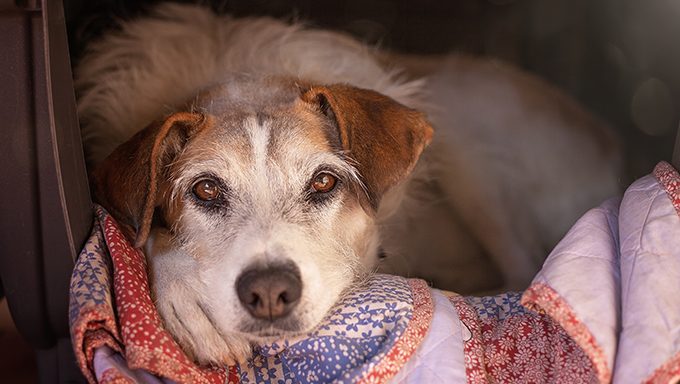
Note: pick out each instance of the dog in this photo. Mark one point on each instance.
(266, 167)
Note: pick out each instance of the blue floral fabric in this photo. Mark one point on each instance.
(497, 307)
(356, 334)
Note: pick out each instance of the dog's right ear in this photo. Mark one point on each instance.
(127, 182)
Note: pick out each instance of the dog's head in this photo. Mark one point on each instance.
(259, 211)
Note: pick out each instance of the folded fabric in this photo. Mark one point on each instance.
(612, 283)
(604, 307)
(111, 312)
(118, 336)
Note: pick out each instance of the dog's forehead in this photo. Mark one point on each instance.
(278, 134)
(257, 126)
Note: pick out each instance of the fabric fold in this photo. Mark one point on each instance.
(579, 286)
(604, 308)
(650, 266)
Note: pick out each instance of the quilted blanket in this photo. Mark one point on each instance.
(604, 308)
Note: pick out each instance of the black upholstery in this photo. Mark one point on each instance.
(45, 208)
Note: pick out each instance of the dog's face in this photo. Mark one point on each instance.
(259, 212)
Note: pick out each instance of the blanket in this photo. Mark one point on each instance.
(604, 308)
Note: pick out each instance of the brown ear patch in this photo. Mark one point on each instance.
(383, 137)
(127, 182)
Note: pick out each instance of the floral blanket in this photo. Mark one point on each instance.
(604, 308)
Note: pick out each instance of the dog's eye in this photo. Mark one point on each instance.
(206, 190)
(323, 182)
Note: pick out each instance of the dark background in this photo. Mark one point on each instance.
(620, 58)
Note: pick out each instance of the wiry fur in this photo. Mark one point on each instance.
(196, 262)
(514, 163)
(131, 78)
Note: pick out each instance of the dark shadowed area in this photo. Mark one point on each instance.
(618, 57)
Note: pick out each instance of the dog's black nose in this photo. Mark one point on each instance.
(270, 292)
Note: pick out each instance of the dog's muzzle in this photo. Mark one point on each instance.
(271, 292)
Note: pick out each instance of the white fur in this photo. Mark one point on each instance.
(507, 174)
(259, 141)
(195, 265)
(155, 63)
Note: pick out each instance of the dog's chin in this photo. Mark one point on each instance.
(260, 332)
(268, 336)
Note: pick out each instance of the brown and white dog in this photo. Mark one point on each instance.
(275, 163)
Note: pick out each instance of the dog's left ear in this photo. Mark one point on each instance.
(127, 183)
(384, 137)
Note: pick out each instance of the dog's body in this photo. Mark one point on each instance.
(265, 168)
(514, 162)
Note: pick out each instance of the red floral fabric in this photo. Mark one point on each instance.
(543, 299)
(669, 178)
(521, 347)
(131, 328)
(129, 323)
